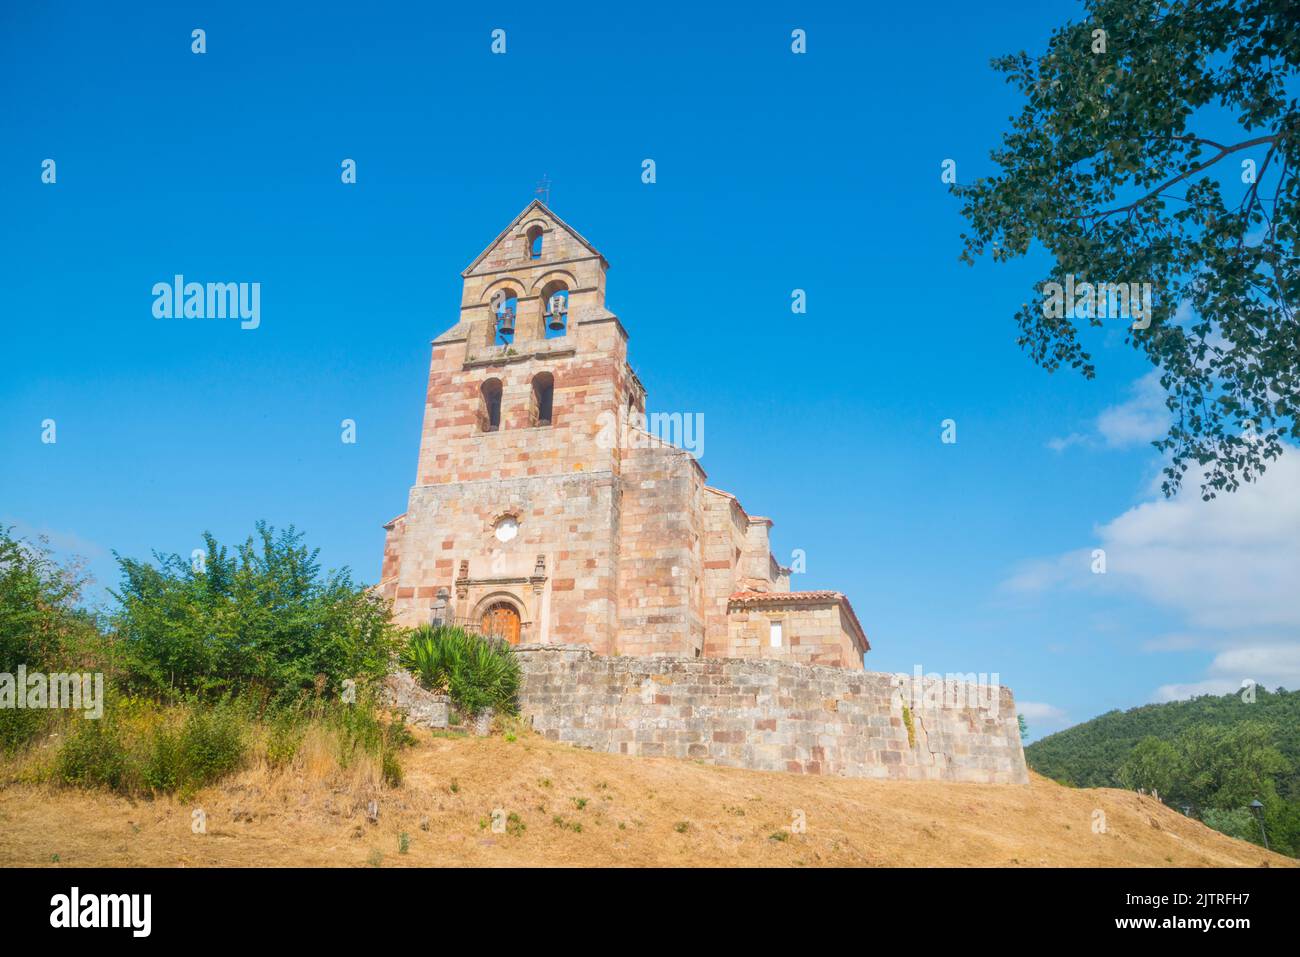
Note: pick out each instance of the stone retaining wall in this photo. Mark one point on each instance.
(768, 715)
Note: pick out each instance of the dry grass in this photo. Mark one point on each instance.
(582, 808)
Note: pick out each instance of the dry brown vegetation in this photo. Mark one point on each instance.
(568, 807)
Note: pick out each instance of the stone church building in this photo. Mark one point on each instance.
(543, 512)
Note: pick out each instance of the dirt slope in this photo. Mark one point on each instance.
(582, 808)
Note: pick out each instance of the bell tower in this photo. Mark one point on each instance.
(534, 349)
(515, 506)
(546, 510)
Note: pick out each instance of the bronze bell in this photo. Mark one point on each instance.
(557, 307)
(507, 323)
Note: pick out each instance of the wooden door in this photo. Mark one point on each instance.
(503, 621)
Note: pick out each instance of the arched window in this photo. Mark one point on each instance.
(555, 305)
(505, 307)
(542, 409)
(489, 413)
(535, 242)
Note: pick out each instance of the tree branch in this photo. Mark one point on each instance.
(1192, 171)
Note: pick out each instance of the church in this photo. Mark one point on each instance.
(527, 522)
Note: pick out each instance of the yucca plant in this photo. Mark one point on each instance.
(478, 673)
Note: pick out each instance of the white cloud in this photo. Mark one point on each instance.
(1268, 665)
(1230, 563)
(1214, 686)
(65, 543)
(1042, 718)
(1227, 569)
(1040, 574)
(1138, 420)
(1041, 711)
(1074, 438)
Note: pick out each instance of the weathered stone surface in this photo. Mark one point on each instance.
(768, 715)
(402, 693)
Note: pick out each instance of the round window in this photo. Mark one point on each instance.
(506, 528)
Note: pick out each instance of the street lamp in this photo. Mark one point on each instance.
(1258, 809)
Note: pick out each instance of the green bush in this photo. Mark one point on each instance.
(392, 767)
(1235, 822)
(41, 627)
(212, 745)
(478, 673)
(360, 731)
(19, 727)
(209, 744)
(161, 769)
(40, 624)
(264, 622)
(284, 739)
(93, 755)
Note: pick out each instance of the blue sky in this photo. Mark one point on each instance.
(774, 172)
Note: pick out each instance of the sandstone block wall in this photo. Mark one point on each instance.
(813, 634)
(767, 715)
(660, 554)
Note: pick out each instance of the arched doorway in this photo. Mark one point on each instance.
(502, 621)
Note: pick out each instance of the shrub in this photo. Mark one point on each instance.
(1234, 822)
(360, 731)
(478, 673)
(264, 620)
(284, 739)
(93, 755)
(391, 767)
(40, 624)
(20, 727)
(161, 770)
(41, 627)
(211, 745)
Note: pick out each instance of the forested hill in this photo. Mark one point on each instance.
(1090, 754)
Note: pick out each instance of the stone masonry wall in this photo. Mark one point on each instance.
(814, 634)
(659, 560)
(766, 715)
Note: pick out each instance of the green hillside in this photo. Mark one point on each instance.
(1213, 753)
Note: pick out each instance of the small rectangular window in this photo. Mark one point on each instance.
(775, 634)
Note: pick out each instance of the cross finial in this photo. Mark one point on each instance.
(544, 189)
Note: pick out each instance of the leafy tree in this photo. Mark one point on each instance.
(1112, 167)
(1228, 767)
(263, 618)
(1152, 765)
(1236, 822)
(1229, 752)
(1023, 725)
(41, 625)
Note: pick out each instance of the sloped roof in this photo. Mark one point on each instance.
(536, 204)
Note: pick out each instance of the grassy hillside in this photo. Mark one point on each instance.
(559, 805)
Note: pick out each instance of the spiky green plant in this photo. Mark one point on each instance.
(478, 673)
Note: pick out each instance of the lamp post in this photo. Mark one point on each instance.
(1258, 809)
